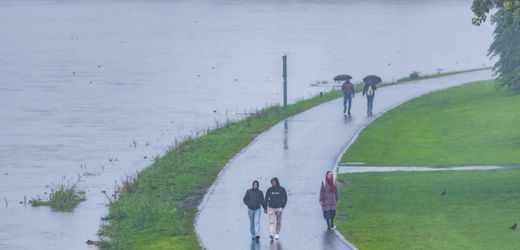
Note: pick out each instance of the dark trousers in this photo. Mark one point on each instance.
(370, 103)
(329, 217)
(347, 98)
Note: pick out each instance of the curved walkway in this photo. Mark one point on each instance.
(298, 151)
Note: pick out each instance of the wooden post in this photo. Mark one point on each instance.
(284, 81)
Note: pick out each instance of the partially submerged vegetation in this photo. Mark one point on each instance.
(62, 197)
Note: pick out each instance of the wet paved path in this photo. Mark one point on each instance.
(298, 151)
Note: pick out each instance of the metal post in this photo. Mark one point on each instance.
(284, 81)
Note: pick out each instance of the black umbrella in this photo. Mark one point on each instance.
(342, 77)
(373, 79)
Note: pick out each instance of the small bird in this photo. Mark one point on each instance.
(513, 227)
(443, 192)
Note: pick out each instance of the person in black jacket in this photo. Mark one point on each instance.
(275, 199)
(254, 198)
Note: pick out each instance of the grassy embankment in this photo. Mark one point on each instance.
(467, 125)
(440, 74)
(472, 124)
(157, 211)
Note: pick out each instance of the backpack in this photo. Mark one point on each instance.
(347, 88)
(370, 91)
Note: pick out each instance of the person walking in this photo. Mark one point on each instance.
(348, 94)
(254, 199)
(370, 91)
(275, 199)
(329, 199)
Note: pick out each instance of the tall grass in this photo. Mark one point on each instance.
(62, 197)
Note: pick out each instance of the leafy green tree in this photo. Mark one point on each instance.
(505, 15)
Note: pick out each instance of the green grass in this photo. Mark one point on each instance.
(440, 74)
(158, 210)
(64, 197)
(475, 124)
(404, 210)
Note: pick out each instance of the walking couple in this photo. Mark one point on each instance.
(273, 204)
(349, 93)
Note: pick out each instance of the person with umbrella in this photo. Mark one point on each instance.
(348, 91)
(370, 90)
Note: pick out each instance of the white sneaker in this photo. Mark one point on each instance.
(276, 236)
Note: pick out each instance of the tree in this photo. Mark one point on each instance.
(506, 43)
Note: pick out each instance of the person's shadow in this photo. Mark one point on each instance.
(330, 241)
(255, 245)
(275, 245)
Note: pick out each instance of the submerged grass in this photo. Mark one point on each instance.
(63, 197)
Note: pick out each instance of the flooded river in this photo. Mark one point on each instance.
(98, 88)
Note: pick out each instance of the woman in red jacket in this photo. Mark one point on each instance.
(329, 199)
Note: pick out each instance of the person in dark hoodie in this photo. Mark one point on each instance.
(254, 199)
(275, 199)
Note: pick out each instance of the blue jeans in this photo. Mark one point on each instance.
(254, 221)
(347, 98)
(370, 103)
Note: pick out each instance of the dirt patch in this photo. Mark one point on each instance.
(192, 201)
(342, 216)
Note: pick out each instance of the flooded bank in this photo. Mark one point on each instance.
(100, 88)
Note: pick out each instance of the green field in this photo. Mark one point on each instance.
(469, 125)
(405, 210)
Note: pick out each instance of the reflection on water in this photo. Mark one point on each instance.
(329, 239)
(286, 134)
(82, 80)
